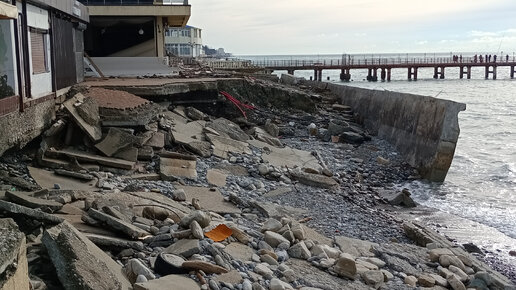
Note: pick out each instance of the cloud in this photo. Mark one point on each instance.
(302, 26)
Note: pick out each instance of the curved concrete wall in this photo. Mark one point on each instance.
(424, 129)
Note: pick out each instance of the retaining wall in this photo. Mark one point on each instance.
(19, 128)
(423, 129)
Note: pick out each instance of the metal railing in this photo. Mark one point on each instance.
(228, 64)
(376, 61)
(132, 2)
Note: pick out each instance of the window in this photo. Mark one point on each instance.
(39, 44)
(200, 33)
(185, 49)
(195, 32)
(185, 32)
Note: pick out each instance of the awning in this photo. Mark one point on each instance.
(8, 11)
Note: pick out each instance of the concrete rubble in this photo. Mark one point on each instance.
(304, 212)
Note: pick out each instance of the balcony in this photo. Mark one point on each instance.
(133, 2)
(7, 11)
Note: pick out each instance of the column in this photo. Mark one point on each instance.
(442, 72)
(494, 72)
(383, 74)
(375, 74)
(461, 73)
(469, 72)
(315, 75)
(415, 73)
(160, 37)
(319, 77)
(435, 72)
(512, 72)
(409, 74)
(487, 73)
(388, 74)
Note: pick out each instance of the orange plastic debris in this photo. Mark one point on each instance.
(220, 233)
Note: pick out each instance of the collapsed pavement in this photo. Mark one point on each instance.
(124, 193)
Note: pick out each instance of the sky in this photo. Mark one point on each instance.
(285, 27)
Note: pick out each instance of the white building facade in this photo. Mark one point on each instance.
(184, 42)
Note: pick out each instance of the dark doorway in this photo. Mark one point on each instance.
(108, 35)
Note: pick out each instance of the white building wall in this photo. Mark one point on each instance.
(41, 84)
(8, 49)
(193, 42)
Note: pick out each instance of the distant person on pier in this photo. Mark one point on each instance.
(494, 58)
(507, 58)
(460, 58)
(481, 59)
(489, 58)
(486, 59)
(475, 59)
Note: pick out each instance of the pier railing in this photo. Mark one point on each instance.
(133, 2)
(372, 61)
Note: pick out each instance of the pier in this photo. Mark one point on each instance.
(381, 67)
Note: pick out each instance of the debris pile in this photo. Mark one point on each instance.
(142, 197)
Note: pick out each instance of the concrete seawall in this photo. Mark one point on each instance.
(424, 129)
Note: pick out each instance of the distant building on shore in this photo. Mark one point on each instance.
(218, 53)
(184, 42)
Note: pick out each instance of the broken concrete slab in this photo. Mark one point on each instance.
(272, 210)
(157, 140)
(74, 174)
(33, 202)
(179, 283)
(48, 179)
(117, 224)
(223, 146)
(263, 136)
(175, 155)
(172, 169)
(287, 157)
(216, 177)
(114, 243)
(126, 201)
(15, 209)
(315, 180)
(17, 181)
(88, 157)
(73, 256)
(115, 141)
(278, 191)
(13, 257)
(191, 136)
(93, 131)
(233, 169)
(129, 154)
(210, 199)
(228, 129)
(189, 132)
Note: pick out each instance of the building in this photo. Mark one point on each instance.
(132, 28)
(41, 57)
(184, 42)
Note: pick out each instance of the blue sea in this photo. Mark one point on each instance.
(481, 183)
